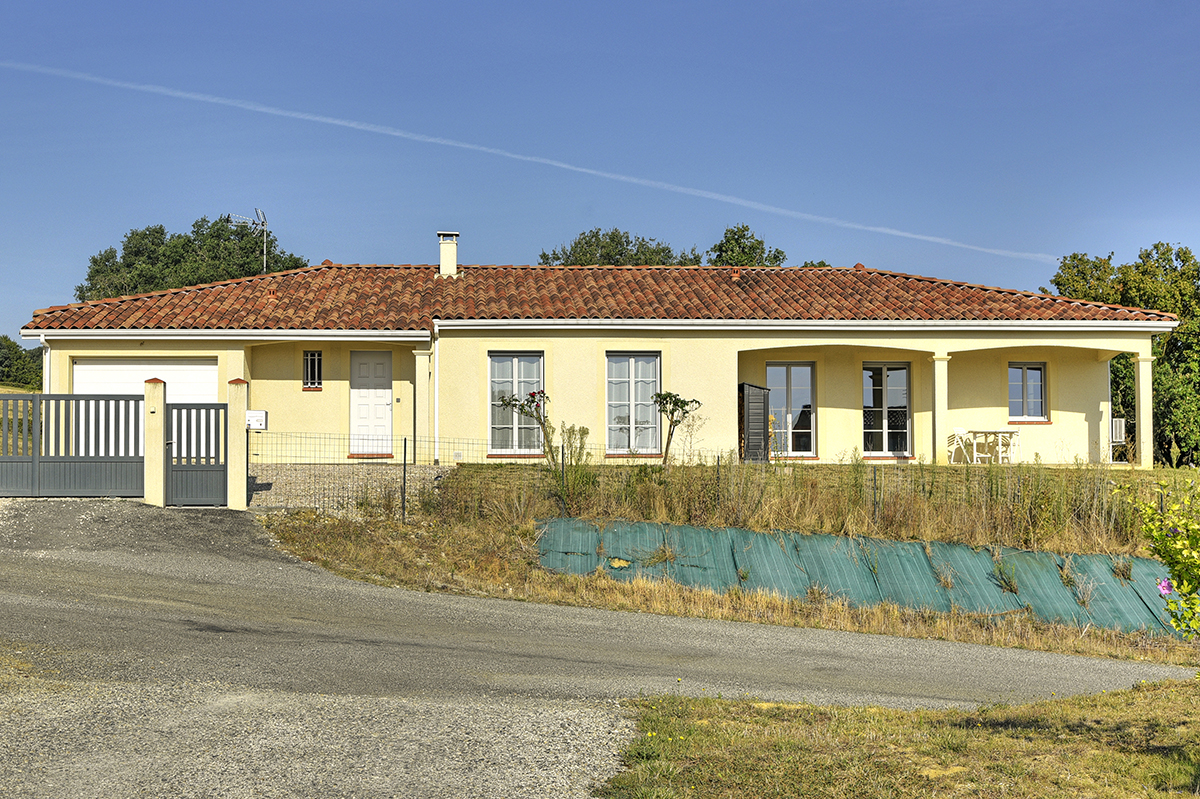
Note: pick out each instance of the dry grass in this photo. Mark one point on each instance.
(1076, 509)
(501, 560)
(1139, 742)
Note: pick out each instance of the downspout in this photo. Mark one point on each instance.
(437, 396)
(45, 363)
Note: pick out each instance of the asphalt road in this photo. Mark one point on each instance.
(104, 594)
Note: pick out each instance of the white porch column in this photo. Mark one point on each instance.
(1144, 392)
(941, 407)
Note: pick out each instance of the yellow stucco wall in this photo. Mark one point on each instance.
(709, 365)
(695, 363)
(275, 386)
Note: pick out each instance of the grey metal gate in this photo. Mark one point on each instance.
(197, 453)
(71, 445)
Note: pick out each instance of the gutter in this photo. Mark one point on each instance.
(822, 325)
(259, 336)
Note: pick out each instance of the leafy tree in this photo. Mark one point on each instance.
(740, 247)
(1164, 278)
(20, 367)
(151, 259)
(616, 248)
(816, 265)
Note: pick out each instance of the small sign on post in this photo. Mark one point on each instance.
(256, 420)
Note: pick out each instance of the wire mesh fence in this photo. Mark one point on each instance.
(1088, 506)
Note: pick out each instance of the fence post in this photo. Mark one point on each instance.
(154, 465)
(875, 490)
(237, 464)
(404, 484)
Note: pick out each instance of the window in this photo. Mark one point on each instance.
(512, 373)
(885, 409)
(633, 418)
(312, 371)
(1027, 391)
(792, 404)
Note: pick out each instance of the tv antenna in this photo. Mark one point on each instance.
(258, 223)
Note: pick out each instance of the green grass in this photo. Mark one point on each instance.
(1141, 742)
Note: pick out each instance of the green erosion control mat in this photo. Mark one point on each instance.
(768, 562)
(1040, 585)
(904, 574)
(634, 548)
(836, 564)
(701, 557)
(1146, 576)
(567, 546)
(972, 583)
(1109, 597)
(866, 571)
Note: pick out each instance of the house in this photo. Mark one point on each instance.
(854, 361)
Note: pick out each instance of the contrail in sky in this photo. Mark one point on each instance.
(247, 105)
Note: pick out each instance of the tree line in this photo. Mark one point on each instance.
(20, 367)
(1164, 278)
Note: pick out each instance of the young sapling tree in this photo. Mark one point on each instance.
(676, 409)
(535, 405)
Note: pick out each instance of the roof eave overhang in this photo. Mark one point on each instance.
(820, 325)
(421, 336)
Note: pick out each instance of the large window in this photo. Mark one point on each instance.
(793, 404)
(886, 414)
(1027, 391)
(512, 373)
(633, 419)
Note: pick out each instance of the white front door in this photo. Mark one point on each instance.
(370, 403)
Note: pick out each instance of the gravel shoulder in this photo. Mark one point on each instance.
(115, 722)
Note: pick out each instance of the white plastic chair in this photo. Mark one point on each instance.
(958, 443)
(1009, 447)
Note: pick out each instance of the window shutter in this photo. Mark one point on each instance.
(754, 427)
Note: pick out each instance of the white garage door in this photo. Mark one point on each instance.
(187, 379)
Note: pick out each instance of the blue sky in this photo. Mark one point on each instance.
(887, 134)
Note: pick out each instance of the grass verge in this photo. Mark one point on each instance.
(1139, 742)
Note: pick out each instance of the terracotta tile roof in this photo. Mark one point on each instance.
(387, 297)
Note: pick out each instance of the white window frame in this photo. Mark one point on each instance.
(613, 405)
(885, 428)
(312, 372)
(508, 417)
(1026, 367)
(783, 436)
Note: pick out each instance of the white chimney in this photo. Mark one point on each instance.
(449, 251)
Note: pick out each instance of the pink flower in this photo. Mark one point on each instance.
(1165, 587)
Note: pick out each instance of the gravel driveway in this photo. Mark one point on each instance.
(176, 652)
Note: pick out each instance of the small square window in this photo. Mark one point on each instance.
(312, 370)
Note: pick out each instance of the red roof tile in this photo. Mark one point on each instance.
(377, 297)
